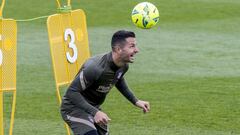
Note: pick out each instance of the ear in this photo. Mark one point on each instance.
(118, 49)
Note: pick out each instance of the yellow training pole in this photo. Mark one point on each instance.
(58, 4)
(2, 6)
(58, 94)
(13, 112)
(1, 113)
(69, 3)
(59, 100)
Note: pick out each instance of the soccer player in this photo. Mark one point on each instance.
(80, 106)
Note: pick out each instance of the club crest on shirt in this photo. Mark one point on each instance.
(104, 89)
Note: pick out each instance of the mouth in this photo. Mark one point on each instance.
(132, 57)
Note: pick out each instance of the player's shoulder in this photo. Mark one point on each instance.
(94, 65)
(96, 61)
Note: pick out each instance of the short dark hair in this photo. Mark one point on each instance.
(120, 36)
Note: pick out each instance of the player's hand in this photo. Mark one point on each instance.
(144, 105)
(101, 118)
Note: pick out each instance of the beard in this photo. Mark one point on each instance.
(126, 58)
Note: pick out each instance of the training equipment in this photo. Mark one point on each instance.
(8, 64)
(68, 38)
(145, 15)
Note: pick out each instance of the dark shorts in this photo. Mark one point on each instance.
(81, 123)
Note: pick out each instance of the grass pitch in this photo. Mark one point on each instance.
(188, 67)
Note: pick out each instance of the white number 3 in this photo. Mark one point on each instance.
(69, 32)
(1, 57)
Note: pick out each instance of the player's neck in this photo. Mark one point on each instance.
(117, 60)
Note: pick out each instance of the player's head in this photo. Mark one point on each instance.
(124, 44)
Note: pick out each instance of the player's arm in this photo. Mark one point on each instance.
(126, 92)
(76, 98)
(79, 101)
(123, 88)
(82, 81)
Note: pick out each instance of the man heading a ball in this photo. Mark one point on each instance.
(80, 106)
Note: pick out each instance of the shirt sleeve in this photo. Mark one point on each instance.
(126, 92)
(77, 99)
(82, 81)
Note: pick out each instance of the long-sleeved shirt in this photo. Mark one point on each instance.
(93, 82)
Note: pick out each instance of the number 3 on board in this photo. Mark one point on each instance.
(69, 32)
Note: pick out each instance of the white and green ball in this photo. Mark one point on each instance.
(145, 15)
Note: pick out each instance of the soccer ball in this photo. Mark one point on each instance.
(145, 15)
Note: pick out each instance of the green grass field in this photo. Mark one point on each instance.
(188, 67)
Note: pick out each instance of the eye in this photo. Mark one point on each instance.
(132, 45)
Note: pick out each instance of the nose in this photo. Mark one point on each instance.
(137, 50)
